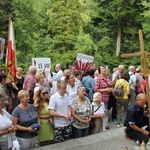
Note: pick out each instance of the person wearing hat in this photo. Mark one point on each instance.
(98, 112)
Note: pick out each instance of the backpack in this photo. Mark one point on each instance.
(119, 90)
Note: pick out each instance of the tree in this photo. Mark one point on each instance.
(5, 12)
(146, 23)
(119, 20)
(32, 39)
(66, 19)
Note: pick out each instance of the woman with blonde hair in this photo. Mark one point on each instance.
(45, 134)
(39, 83)
(24, 116)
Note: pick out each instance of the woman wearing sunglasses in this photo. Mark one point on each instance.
(45, 134)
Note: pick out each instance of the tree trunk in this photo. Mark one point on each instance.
(118, 45)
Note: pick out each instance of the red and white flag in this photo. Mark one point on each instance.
(11, 55)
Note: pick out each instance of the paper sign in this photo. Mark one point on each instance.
(83, 62)
(42, 64)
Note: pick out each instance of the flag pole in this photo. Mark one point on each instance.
(11, 54)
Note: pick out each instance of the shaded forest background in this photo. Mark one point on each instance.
(60, 29)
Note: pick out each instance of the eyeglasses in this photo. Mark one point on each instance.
(44, 93)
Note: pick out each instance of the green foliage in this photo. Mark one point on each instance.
(146, 24)
(61, 29)
(5, 12)
(85, 44)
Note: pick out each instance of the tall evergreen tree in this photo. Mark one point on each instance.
(67, 18)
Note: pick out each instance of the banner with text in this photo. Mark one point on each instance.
(83, 62)
(42, 64)
(2, 45)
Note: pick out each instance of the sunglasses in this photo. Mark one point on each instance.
(44, 93)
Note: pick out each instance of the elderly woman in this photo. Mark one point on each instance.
(45, 134)
(6, 127)
(81, 112)
(24, 116)
(98, 112)
(103, 85)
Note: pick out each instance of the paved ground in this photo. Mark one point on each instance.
(112, 139)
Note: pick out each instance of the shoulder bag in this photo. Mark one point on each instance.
(92, 122)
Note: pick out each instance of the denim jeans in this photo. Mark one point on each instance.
(77, 133)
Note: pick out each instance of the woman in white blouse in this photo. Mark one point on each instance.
(71, 87)
(6, 127)
(98, 112)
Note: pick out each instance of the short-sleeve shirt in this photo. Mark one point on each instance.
(134, 116)
(103, 83)
(72, 93)
(25, 118)
(60, 104)
(126, 87)
(37, 87)
(89, 83)
(82, 111)
(131, 80)
(114, 75)
(101, 110)
(29, 82)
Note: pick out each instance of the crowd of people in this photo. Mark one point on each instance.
(40, 110)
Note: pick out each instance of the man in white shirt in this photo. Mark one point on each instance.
(60, 110)
(117, 74)
(56, 77)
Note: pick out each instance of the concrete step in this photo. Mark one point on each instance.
(112, 139)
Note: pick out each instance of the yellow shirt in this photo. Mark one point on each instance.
(126, 88)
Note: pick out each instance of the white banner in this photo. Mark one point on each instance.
(84, 58)
(2, 45)
(42, 64)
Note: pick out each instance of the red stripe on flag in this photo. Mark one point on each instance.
(11, 61)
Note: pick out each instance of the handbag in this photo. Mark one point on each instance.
(92, 122)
